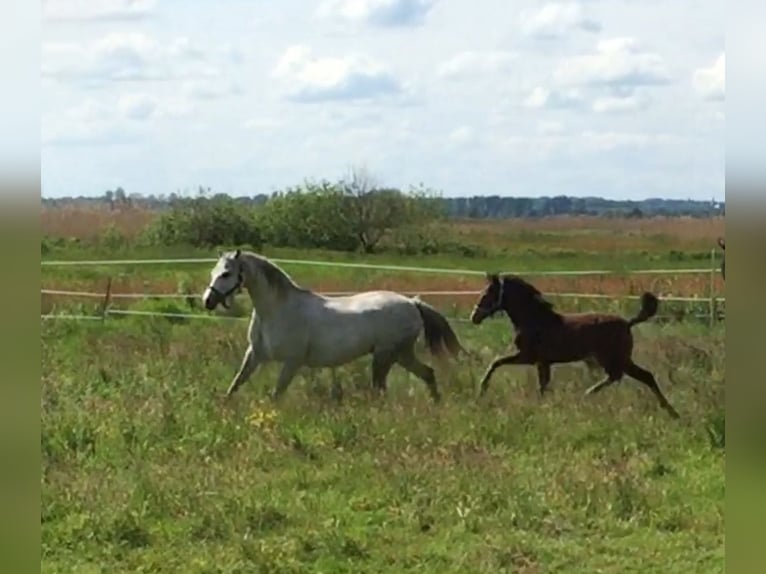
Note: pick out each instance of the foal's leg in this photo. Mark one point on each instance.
(249, 364)
(543, 376)
(602, 385)
(286, 375)
(517, 359)
(633, 370)
(409, 361)
(614, 371)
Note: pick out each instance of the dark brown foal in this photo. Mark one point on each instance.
(546, 337)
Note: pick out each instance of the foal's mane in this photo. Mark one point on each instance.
(526, 295)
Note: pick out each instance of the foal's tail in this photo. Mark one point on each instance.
(649, 304)
(439, 333)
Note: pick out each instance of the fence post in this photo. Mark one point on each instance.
(107, 299)
(711, 288)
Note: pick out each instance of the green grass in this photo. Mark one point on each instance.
(146, 469)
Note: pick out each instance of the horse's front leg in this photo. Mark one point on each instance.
(517, 359)
(250, 362)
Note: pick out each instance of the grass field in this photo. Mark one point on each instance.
(146, 469)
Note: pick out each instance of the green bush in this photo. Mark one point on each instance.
(206, 222)
(342, 216)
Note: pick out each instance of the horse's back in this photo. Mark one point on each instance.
(339, 329)
(367, 302)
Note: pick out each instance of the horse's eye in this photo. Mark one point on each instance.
(225, 274)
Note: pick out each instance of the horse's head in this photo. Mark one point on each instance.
(226, 279)
(490, 300)
(521, 300)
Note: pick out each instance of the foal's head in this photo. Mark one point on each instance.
(226, 279)
(513, 295)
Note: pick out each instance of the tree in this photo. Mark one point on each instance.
(372, 212)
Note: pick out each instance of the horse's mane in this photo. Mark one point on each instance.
(275, 276)
(536, 307)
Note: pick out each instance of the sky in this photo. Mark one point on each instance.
(618, 98)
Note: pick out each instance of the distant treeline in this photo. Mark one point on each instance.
(475, 207)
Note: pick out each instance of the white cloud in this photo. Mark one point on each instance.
(212, 90)
(588, 141)
(97, 9)
(617, 102)
(90, 123)
(542, 97)
(616, 62)
(124, 56)
(262, 124)
(608, 140)
(558, 19)
(380, 13)
(710, 82)
(472, 62)
(138, 106)
(550, 128)
(309, 78)
(461, 136)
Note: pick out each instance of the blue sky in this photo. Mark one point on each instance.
(620, 98)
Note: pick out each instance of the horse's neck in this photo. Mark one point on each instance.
(264, 300)
(267, 301)
(525, 319)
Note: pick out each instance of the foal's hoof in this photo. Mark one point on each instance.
(673, 413)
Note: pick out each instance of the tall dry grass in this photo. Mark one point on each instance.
(90, 222)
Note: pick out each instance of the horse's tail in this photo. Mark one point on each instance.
(649, 305)
(438, 332)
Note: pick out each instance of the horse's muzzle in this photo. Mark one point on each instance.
(210, 299)
(478, 315)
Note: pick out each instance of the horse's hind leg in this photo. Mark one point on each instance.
(286, 375)
(381, 366)
(409, 361)
(336, 391)
(640, 374)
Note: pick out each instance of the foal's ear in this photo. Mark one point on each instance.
(492, 277)
(237, 253)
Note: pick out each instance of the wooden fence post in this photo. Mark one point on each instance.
(107, 299)
(711, 288)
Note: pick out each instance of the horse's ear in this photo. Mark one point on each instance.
(220, 254)
(237, 253)
(722, 243)
(492, 277)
